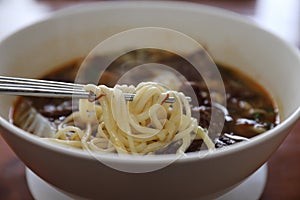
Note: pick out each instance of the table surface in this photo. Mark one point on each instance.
(279, 16)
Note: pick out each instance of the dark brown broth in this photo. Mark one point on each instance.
(241, 91)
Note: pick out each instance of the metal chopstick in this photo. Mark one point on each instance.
(46, 88)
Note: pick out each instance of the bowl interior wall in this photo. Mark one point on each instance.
(227, 41)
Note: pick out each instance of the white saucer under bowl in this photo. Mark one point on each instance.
(250, 189)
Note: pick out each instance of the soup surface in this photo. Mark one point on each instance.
(249, 108)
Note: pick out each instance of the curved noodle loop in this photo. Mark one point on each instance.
(145, 125)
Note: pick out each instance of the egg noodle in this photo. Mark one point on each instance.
(145, 125)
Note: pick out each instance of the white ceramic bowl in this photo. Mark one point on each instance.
(229, 38)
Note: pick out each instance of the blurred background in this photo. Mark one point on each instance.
(279, 16)
(282, 17)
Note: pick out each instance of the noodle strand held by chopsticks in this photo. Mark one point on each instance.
(142, 126)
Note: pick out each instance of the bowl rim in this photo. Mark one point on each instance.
(190, 157)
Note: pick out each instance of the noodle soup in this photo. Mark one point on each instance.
(250, 109)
